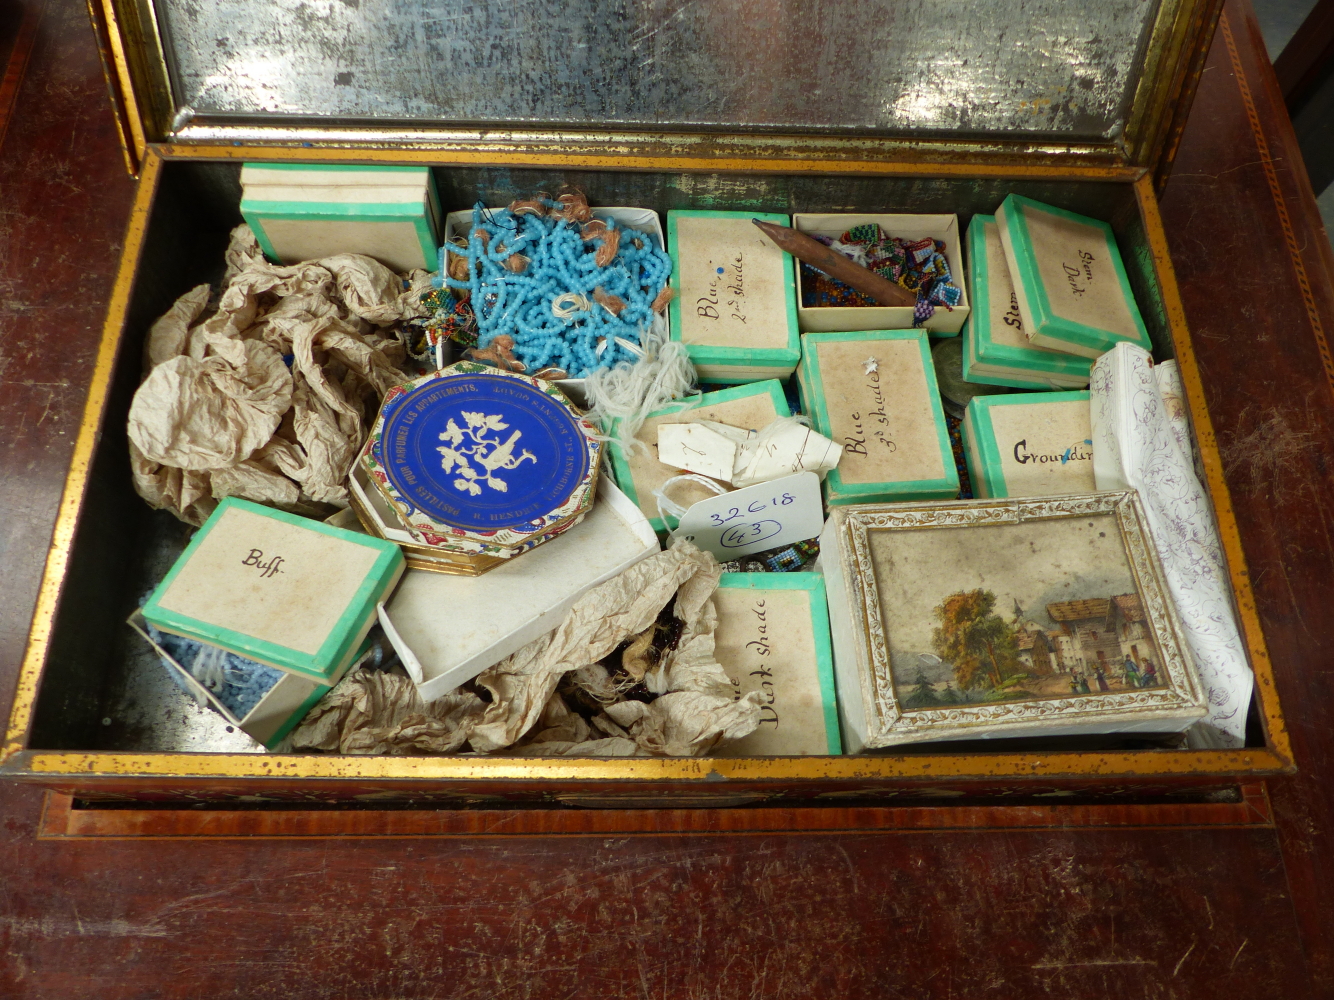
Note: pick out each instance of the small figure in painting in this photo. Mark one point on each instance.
(1132, 673)
(1101, 675)
(1150, 675)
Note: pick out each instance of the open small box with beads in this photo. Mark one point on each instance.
(944, 320)
(458, 228)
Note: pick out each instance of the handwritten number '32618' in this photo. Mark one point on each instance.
(755, 507)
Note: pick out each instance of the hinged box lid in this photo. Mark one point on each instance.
(1100, 81)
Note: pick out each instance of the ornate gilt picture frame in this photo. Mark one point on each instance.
(1024, 617)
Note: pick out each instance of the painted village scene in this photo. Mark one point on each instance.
(1038, 611)
(1093, 645)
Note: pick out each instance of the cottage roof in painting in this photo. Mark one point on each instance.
(1074, 611)
(1130, 607)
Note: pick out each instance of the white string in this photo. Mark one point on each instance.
(580, 303)
(856, 252)
(667, 507)
(209, 667)
(634, 349)
(628, 393)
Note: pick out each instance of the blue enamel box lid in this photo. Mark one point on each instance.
(484, 451)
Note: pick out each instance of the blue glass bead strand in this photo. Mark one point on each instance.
(560, 264)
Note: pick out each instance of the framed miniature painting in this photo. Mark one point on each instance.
(1046, 616)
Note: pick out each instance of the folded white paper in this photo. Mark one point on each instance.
(1137, 446)
(783, 448)
(448, 629)
(697, 448)
(744, 457)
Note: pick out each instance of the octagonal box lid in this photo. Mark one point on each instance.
(478, 465)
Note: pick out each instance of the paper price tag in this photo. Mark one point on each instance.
(764, 516)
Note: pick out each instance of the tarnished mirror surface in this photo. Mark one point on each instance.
(1064, 69)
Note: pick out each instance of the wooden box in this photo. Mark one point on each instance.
(1088, 125)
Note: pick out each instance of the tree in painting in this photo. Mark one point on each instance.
(976, 640)
(923, 695)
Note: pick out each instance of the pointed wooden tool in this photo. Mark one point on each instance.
(834, 264)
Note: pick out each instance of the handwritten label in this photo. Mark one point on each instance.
(1044, 447)
(760, 648)
(732, 281)
(1084, 269)
(1012, 317)
(1077, 265)
(873, 427)
(1080, 451)
(726, 291)
(266, 569)
(750, 520)
(881, 417)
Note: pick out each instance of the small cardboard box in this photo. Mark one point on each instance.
(996, 348)
(284, 590)
(751, 406)
(875, 393)
(773, 637)
(1029, 444)
(459, 223)
(301, 211)
(283, 698)
(448, 629)
(840, 319)
(1069, 279)
(736, 305)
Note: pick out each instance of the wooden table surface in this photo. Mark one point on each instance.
(1060, 901)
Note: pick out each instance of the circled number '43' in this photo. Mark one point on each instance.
(743, 534)
(755, 518)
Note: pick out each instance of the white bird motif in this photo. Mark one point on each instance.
(489, 453)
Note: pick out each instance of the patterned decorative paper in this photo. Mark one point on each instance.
(1136, 446)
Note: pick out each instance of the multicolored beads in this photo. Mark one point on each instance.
(918, 265)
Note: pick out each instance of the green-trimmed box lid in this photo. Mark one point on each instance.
(302, 211)
(1029, 444)
(1069, 279)
(773, 637)
(753, 406)
(997, 350)
(875, 393)
(736, 302)
(284, 590)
